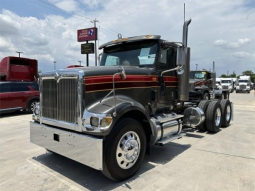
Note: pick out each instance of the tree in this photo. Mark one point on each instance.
(247, 73)
(223, 76)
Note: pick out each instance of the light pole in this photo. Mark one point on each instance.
(79, 62)
(196, 66)
(54, 64)
(19, 53)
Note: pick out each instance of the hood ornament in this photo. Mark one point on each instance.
(56, 76)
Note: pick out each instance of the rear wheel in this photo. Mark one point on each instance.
(213, 117)
(206, 96)
(203, 105)
(124, 150)
(226, 112)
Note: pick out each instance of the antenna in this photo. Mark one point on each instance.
(184, 12)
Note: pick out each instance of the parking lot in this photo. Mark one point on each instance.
(198, 161)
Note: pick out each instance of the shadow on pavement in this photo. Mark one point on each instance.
(13, 114)
(92, 179)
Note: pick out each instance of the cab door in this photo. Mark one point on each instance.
(167, 92)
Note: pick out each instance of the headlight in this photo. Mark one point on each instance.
(94, 121)
(106, 121)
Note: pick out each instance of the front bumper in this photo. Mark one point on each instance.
(85, 149)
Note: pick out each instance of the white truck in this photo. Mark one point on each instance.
(243, 84)
(227, 84)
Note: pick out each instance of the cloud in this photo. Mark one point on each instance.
(232, 45)
(241, 54)
(66, 5)
(8, 25)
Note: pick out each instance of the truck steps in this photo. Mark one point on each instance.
(169, 139)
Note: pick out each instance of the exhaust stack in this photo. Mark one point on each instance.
(183, 59)
(185, 33)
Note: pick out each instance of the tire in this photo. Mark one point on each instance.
(213, 117)
(124, 150)
(226, 112)
(206, 96)
(31, 105)
(203, 105)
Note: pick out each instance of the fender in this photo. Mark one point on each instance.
(124, 105)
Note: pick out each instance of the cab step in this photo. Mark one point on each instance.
(169, 139)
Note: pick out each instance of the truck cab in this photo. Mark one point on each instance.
(200, 83)
(227, 84)
(243, 84)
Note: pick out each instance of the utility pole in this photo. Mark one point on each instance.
(80, 62)
(54, 64)
(19, 53)
(94, 21)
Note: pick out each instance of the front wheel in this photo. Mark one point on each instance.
(124, 150)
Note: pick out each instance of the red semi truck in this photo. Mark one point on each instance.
(18, 69)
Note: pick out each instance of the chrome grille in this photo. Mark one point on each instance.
(59, 100)
(224, 87)
(242, 87)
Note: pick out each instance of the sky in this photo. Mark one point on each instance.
(221, 31)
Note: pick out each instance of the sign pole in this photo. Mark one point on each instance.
(87, 57)
(94, 21)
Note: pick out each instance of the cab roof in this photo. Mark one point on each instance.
(130, 39)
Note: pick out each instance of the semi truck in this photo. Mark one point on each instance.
(109, 116)
(18, 69)
(227, 84)
(243, 84)
(203, 85)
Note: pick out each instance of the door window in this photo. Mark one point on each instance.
(4, 88)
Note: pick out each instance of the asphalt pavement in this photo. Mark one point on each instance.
(198, 161)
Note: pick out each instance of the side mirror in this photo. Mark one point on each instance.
(122, 73)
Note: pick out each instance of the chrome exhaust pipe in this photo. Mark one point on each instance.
(185, 32)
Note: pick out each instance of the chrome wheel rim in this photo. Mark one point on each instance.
(128, 150)
(32, 106)
(217, 117)
(228, 114)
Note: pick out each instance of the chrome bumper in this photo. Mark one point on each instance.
(81, 148)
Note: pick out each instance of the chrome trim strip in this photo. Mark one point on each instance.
(85, 149)
(62, 124)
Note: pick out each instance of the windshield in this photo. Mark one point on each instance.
(142, 53)
(197, 75)
(226, 81)
(243, 81)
